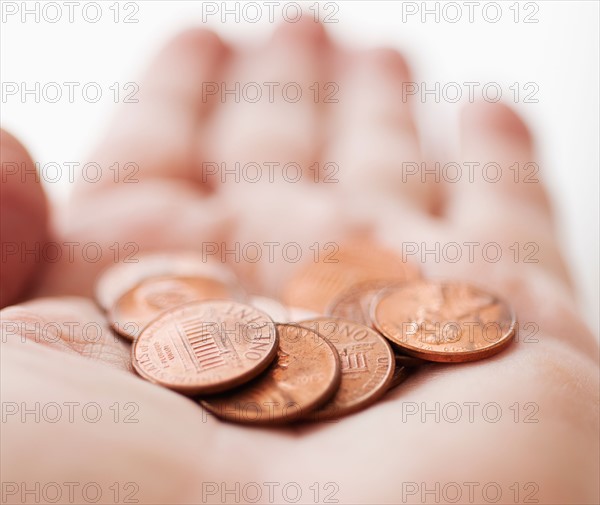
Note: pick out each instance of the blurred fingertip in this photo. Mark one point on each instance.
(305, 31)
(494, 118)
(19, 180)
(23, 217)
(389, 61)
(196, 40)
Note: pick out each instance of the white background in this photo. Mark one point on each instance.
(559, 53)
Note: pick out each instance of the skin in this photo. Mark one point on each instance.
(175, 450)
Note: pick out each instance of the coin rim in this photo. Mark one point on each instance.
(369, 400)
(446, 357)
(357, 287)
(107, 273)
(321, 400)
(212, 388)
(352, 245)
(118, 328)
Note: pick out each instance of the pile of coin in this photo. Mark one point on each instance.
(346, 333)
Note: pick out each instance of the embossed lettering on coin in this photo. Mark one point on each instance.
(205, 347)
(148, 299)
(367, 363)
(446, 322)
(305, 374)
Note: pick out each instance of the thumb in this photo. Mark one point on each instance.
(23, 220)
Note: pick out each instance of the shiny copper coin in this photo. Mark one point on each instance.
(355, 302)
(315, 285)
(305, 374)
(444, 321)
(205, 347)
(151, 297)
(121, 277)
(367, 364)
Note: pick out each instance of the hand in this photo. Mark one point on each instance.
(175, 452)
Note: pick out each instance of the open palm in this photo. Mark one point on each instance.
(528, 423)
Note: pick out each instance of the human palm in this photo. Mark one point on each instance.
(156, 446)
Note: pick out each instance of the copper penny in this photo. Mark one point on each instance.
(316, 284)
(305, 374)
(205, 347)
(367, 362)
(355, 303)
(444, 321)
(121, 277)
(148, 299)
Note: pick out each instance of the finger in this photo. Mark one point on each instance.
(273, 117)
(269, 148)
(119, 225)
(502, 198)
(72, 325)
(375, 134)
(493, 132)
(23, 219)
(158, 135)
